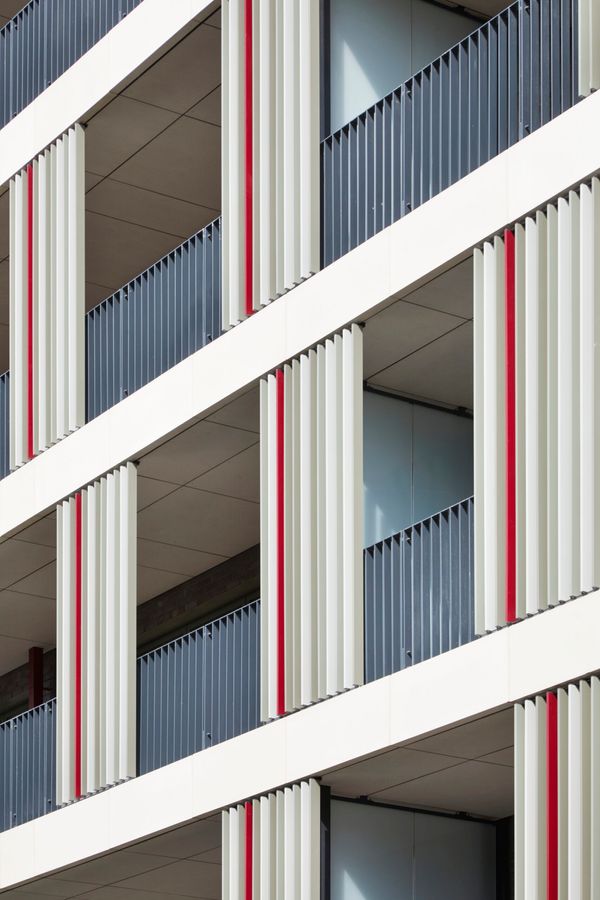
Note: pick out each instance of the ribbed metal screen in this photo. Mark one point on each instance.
(4, 424)
(199, 690)
(419, 592)
(44, 39)
(515, 73)
(27, 770)
(161, 317)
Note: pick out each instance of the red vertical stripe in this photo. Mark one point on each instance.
(78, 645)
(249, 847)
(30, 311)
(249, 150)
(280, 545)
(511, 486)
(552, 796)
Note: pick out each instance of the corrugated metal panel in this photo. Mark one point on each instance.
(161, 317)
(419, 592)
(44, 39)
(4, 424)
(27, 770)
(199, 690)
(515, 73)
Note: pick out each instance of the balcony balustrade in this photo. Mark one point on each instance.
(419, 592)
(46, 38)
(159, 318)
(27, 766)
(199, 690)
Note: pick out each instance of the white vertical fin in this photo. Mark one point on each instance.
(91, 548)
(519, 800)
(352, 505)
(563, 793)
(521, 372)
(309, 105)
(266, 556)
(594, 792)
(575, 796)
(494, 479)
(552, 405)
(265, 150)
(127, 619)
(479, 376)
(75, 294)
(535, 414)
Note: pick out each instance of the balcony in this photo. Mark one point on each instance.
(497, 85)
(203, 688)
(432, 818)
(45, 39)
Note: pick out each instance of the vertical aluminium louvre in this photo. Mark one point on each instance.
(44, 39)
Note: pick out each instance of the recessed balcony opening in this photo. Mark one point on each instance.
(153, 171)
(386, 843)
(198, 510)
(152, 167)
(418, 403)
(418, 475)
(198, 499)
(372, 48)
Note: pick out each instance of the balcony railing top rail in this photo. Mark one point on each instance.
(46, 38)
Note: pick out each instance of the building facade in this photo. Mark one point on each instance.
(299, 442)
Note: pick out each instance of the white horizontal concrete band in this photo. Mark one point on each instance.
(394, 262)
(552, 648)
(130, 44)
